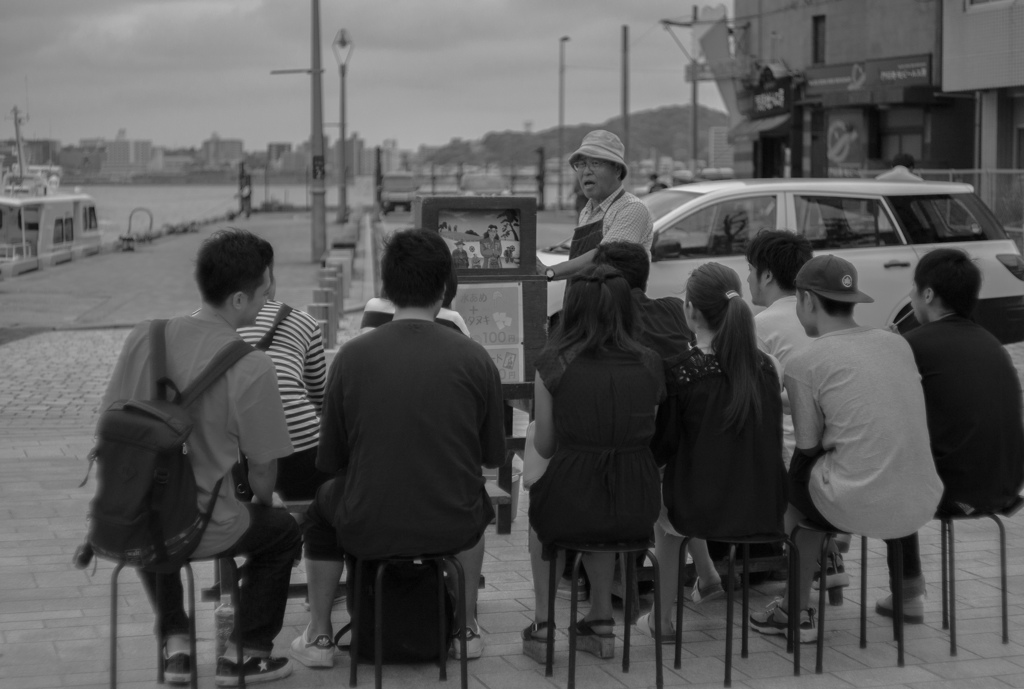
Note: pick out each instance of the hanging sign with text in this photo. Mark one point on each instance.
(493, 312)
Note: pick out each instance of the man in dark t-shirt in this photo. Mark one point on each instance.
(412, 413)
(973, 401)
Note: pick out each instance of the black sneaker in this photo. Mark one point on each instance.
(255, 669)
(178, 668)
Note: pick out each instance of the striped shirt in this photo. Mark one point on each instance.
(626, 219)
(298, 355)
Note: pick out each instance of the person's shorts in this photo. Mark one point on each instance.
(320, 540)
(800, 498)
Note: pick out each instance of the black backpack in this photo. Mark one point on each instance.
(145, 512)
(409, 612)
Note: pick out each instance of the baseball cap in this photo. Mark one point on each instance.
(833, 278)
(602, 145)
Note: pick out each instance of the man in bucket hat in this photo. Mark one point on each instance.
(862, 462)
(611, 213)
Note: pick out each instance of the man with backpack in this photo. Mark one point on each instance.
(240, 411)
(412, 413)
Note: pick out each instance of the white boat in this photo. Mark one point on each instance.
(39, 224)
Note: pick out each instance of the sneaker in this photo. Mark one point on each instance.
(703, 594)
(835, 574)
(645, 625)
(565, 589)
(913, 608)
(316, 653)
(178, 668)
(474, 644)
(774, 620)
(255, 670)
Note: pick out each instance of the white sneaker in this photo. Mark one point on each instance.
(645, 625)
(316, 653)
(474, 644)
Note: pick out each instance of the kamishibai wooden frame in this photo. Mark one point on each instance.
(484, 222)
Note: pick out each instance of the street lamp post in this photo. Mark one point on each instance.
(342, 47)
(318, 215)
(561, 114)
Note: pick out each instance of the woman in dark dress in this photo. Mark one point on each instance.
(719, 436)
(596, 397)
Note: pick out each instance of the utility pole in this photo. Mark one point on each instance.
(317, 189)
(625, 93)
(693, 101)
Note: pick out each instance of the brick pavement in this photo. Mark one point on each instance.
(54, 619)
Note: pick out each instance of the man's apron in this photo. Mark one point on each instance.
(588, 236)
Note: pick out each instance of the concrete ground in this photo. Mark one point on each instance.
(54, 619)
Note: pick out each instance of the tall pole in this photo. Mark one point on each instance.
(342, 158)
(693, 102)
(625, 92)
(317, 189)
(561, 115)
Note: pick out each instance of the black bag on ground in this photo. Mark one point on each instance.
(145, 511)
(409, 612)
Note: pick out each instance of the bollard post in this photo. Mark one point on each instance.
(333, 271)
(322, 313)
(323, 296)
(334, 285)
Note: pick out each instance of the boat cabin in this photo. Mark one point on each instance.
(39, 230)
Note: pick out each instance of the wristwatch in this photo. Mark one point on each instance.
(550, 274)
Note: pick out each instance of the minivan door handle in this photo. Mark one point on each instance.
(897, 264)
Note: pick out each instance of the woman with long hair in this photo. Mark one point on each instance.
(719, 437)
(596, 396)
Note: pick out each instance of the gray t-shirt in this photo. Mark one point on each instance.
(858, 393)
(780, 334)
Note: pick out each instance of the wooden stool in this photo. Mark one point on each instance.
(225, 564)
(606, 645)
(439, 562)
(949, 572)
(794, 612)
(897, 590)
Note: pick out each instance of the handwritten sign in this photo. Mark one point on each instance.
(493, 312)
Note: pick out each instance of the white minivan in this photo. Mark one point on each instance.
(882, 227)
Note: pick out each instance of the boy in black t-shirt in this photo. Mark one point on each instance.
(973, 401)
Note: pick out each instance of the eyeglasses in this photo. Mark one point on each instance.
(594, 164)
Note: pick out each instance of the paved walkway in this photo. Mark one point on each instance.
(54, 619)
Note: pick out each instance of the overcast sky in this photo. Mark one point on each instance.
(421, 72)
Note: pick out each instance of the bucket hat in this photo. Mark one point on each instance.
(602, 145)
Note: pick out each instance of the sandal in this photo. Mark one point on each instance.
(531, 632)
(589, 640)
(586, 627)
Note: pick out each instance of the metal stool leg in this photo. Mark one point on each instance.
(193, 657)
(378, 626)
(573, 604)
(353, 649)
(1002, 575)
(944, 538)
(627, 605)
(897, 598)
(442, 648)
(659, 672)
(113, 634)
(461, 616)
(679, 603)
(863, 591)
(729, 614)
(552, 591)
(822, 592)
(745, 634)
(952, 588)
(793, 640)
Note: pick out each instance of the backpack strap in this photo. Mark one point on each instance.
(227, 357)
(158, 359)
(268, 338)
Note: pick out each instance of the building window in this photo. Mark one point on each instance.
(818, 39)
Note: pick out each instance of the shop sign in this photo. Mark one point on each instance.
(846, 139)
(914, 70)
(493, 312)
(772, 98)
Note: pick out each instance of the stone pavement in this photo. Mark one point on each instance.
(54, 619)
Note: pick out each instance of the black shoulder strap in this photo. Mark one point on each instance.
(158, 358)
(227, 357)
(268, 338)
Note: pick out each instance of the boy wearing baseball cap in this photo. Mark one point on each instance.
(862, 463)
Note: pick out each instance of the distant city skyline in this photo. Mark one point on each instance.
(176, 71)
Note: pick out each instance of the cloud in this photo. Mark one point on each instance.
(174, 71)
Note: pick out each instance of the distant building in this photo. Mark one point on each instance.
(719, 148)
(218, 152)
(125, 158)
(355, 156)
(390, 156)
(275, 151)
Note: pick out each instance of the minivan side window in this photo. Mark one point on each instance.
(945, 218)
(721, 229)
(58, 231)
(839, 222)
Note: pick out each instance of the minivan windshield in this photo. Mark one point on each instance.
(661, 203)
(938, 218)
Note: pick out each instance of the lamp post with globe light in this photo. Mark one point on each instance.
(342, 47)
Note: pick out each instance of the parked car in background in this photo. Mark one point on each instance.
(883, 228)
(398, 190)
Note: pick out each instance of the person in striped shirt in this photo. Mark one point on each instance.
(297, 350)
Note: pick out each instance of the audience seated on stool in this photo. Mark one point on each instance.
(412, 413)
(973, 400)
(860, 468)
(241, 412)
